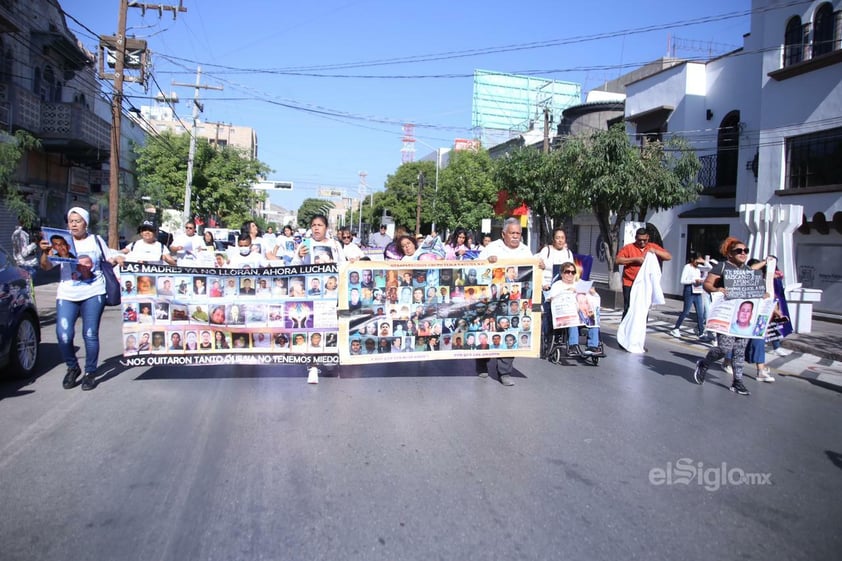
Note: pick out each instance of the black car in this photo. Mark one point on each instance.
(20, 331)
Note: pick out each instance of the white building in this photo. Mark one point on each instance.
(766, 121)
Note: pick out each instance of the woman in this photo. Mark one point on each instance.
(80, 296)
(736, 258)
(148, 249)
(567, 284)
(457, 246)
(553, 254)
(220, 341)
(250, 228)
(284, 248)
(691, 279)
(405, 249)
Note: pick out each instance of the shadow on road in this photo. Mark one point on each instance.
(48, 358)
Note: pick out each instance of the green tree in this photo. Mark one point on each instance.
(310, 208)
(538, 180)
(12, 149)
(401, 195)
(467, 191)
(222, 178)
(606, 174)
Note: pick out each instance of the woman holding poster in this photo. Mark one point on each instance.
(319, 248)
(571, 318)
(736, 254)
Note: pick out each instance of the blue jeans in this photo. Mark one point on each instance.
(67, 312)
(692, 300)
(573, 336)
(756, 351)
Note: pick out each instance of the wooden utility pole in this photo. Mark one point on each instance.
(119, 42)
(191, 156)
(546, 130)
(422, 179)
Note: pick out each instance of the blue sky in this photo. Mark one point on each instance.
(321, 131)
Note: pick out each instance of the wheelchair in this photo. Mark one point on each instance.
(558, 349)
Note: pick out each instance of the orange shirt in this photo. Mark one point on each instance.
(631, 250)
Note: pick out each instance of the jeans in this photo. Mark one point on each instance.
(694, 300)
(67, 312)
(626, 299)
(573, 336)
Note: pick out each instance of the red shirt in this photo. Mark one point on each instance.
(632, 250)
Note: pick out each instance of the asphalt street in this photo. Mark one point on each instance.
(629, 459)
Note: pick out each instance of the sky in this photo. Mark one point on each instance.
(327, 85)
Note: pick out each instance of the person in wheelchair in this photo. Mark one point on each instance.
(567, 283)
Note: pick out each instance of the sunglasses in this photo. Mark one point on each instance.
(568, 272)
(739, 251)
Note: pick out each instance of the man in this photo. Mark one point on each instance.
(380, 239)
(185, 245)
(509, 247)
(631, 257)
(246, 288)
(351, 250)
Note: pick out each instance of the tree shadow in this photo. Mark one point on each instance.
(834, 457)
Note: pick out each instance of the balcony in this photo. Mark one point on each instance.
(68, 128)
(721, 182)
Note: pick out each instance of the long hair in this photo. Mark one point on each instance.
(455, 236)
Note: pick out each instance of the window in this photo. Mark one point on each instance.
(812, 160)
(823, 41)
(793, 47)
(728, 150)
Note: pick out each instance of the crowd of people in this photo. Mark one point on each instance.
(402, 314)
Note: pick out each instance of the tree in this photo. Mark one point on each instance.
(467, 191)
(401, 195)
(222, 177)
(614, 179)
(310, 208)
(12, 149)
(538, 180)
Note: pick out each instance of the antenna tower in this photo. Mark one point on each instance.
(408, 150)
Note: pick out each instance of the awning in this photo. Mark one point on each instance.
(660, 113)
(710, 212)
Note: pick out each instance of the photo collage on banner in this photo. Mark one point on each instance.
(397, 311)
(237, 312)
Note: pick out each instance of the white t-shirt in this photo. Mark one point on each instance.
(147, 252)
(189, 244)
(499, 249)
(76, 285)
(553, 256)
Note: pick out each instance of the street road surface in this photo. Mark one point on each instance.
(418, 461)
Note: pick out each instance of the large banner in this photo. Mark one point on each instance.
(396, 311)
(195, 315)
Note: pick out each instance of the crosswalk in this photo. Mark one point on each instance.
(802, 365)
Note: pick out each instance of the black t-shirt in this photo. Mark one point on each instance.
(719, 270)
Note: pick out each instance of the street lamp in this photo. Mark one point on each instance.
(438, 167)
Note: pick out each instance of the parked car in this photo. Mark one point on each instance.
(20, 330)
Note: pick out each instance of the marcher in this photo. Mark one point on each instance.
(380, 239)
(510, 246)
(736, 254)
(554, 253)
(80, 295)
(567, 283)
(186, 245)
(148, 249)
(457, 246)
(691, 279)
(351, 250)
(631, 257)
(319, 237)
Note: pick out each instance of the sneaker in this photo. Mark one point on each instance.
(88, 382)
(71, 377)
(765, 376)
(700, 372)
(705, 338)
(728, 368)
(312, 375)
(675, 333)
(739, 388)
(482, 374)
(506, 380)
(592, 351)
(780, 351)
(573, 351)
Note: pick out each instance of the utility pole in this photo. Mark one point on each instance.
(197, 108)
(546, 130)
(421, 181)
(119, 42)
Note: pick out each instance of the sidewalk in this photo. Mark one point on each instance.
(824, 343)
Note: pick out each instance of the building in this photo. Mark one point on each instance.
(766, 121)
(48, 87)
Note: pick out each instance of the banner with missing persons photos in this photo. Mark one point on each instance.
(398, 311)
(207, 316)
